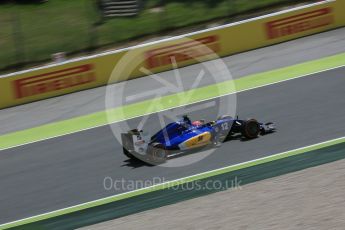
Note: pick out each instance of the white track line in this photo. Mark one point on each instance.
(240, 91)
(175, 181)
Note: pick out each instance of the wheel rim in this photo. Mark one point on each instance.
(158, 154)
(253, 129)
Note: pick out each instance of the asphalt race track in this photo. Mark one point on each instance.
(69, 170)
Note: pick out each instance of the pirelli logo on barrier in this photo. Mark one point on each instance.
(299, 23)
(182, 51)
(54, 81)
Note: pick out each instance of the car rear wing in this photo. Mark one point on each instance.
(135, 141)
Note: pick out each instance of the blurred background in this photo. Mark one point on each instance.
(31, 31)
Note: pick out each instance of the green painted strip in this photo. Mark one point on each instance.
(175, 183)
(133, 110)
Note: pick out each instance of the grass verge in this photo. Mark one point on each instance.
(32, 32)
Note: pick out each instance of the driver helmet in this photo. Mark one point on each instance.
(198, 123)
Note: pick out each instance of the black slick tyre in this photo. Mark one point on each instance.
(250, 129)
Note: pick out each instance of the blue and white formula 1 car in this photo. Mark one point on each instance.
(183, 135)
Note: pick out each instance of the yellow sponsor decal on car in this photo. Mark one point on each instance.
(199, 140)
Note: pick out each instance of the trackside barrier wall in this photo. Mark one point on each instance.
(93, 71)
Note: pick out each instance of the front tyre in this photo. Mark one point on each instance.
(250, 129)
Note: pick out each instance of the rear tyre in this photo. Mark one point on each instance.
(250, 129)
(157, 153)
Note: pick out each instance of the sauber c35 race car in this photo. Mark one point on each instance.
(183, 135)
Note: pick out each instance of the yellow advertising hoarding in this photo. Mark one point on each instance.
(95, 71)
